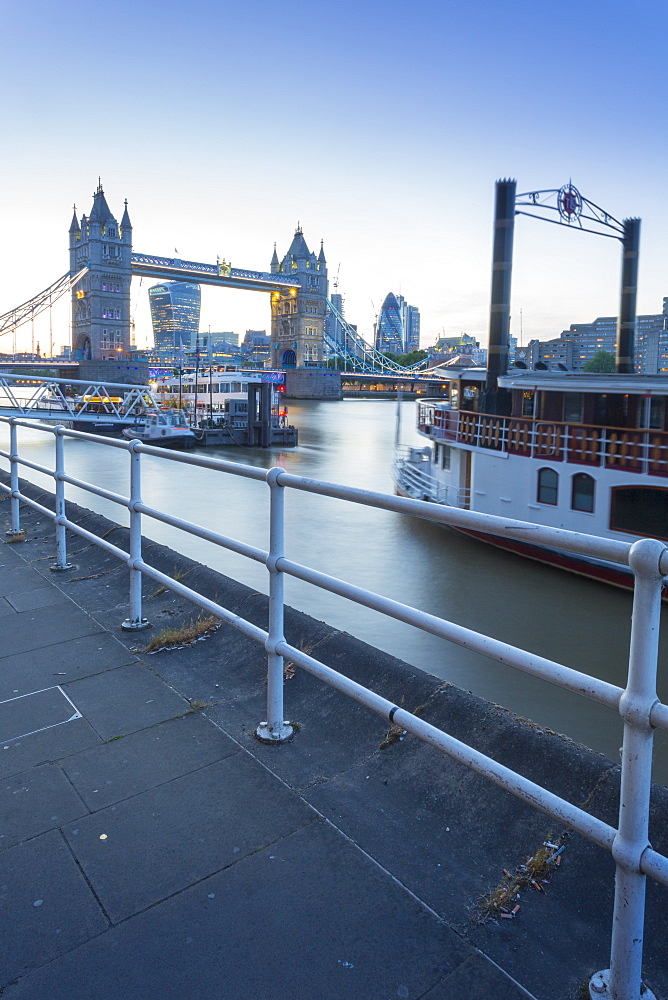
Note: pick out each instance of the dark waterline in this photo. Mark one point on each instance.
(582, 624)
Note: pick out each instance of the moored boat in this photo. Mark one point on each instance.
(583, 452)
(164, 428)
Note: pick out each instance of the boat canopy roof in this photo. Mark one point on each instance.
(546, 381)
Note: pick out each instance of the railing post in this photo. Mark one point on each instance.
(135, 622)
(61, 562)
(14, 480)
(275, 729)
(623, 980)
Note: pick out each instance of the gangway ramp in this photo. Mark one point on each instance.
(73, 399)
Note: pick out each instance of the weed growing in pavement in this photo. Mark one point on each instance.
(184, 635)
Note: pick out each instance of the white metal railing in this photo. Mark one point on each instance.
(637, 703)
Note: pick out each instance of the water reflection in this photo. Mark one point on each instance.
(580, 623)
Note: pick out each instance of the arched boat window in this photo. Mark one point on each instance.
(641, 510)
(582, 496)
(548, 485)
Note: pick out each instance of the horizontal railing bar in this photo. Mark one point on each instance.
(582, 544)
(34, 504)
(97, 490)
(35, 466)
(252, 631)
(602, 548)
(234, 468)
(548, 670)
(656, 865)
(101, 543)
(241, 548)
(658, 716)
(547, 802)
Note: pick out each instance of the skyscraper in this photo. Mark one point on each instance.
(390, 328)
(175, 307)
(410, 318)
(398, 327)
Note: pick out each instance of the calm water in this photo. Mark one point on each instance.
(584, 625)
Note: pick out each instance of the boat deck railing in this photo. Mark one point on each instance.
(629, 449)
(637, 703)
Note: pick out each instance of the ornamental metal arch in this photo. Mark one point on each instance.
(563, 206)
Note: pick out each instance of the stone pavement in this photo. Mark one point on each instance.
(146, 853)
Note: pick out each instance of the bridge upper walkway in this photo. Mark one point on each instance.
(174, 269)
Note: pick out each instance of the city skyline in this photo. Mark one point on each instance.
(480, 92)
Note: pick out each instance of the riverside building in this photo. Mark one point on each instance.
(577, 345)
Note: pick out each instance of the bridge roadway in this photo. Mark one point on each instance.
(153, 850)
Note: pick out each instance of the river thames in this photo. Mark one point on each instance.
(580, 623)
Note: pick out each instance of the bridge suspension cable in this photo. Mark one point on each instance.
(40, 302)
(354, 350)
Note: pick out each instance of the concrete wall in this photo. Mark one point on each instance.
(312, 383)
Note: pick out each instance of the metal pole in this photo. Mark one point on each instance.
(626, 324)
(502, 265)
(61, 562)
(14, 479)
(623, 980)
(135, 622)
(275, 729)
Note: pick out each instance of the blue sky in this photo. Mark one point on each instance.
(380, 127)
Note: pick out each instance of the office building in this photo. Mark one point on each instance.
(175, 309)
(398, 326)
(577, 345)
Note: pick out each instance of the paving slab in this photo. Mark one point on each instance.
(23, 715)
(60, 662)
(47, 907)
(125, 767)
(141, 850)
(35, 629)
(48, 745)
(121, 701)
(5, 607)
(309, 917)
(35, 801)
(16, 577)
(39, 597)
(478, 979)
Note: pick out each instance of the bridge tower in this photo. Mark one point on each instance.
(101, 300)
(298, 319)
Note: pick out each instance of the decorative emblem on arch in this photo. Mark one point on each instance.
(569, 203)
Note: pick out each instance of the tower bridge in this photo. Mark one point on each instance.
(307, 329)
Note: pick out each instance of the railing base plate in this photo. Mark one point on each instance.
(599, 987)
(135, 626)
(264, 734)
(61, 569)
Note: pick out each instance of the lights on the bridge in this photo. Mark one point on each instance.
(293, 291)
(80, 294)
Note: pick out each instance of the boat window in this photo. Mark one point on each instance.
(656, 412)
(582, 496)
(527, 403)
(548, 485)
(445, 456)
(573, 407)
(641, 510)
